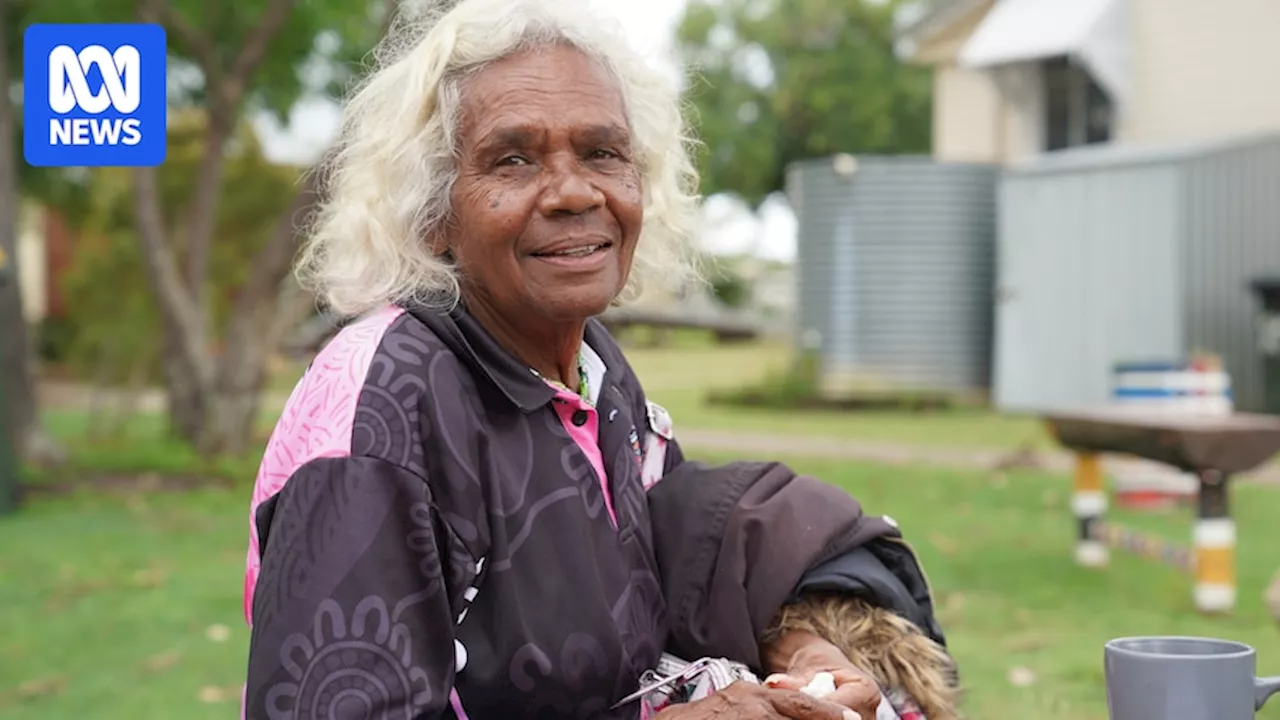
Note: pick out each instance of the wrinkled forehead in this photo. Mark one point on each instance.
(551, 87)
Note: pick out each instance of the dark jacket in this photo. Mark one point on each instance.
(735, 542)
(437, 532)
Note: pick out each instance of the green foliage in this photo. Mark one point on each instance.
(116, 326)
(783, 80)
(727, 284)
(112, 328)
(296, 62)
(791, 387)
(55, 338)
(798, 387)
(731, 290)
(225, 60)
(349, 28)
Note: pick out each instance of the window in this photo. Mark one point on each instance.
(1076, 110)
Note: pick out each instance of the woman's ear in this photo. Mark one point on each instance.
(438, 244)
(441, 240)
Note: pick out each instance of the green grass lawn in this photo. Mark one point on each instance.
(680, 376)
(128, 606)
(998, 553)
(140, 446)
(122, 606)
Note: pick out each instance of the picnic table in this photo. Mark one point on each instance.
(1212, 448)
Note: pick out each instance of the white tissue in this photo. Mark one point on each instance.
(822, 685)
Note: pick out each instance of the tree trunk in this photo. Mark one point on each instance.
(264, 308)
(184, 395)
(213, 401)
(17, 354)
(202, 221)
(187, 365)
(231, 414)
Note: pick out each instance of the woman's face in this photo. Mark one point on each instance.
(548, 203)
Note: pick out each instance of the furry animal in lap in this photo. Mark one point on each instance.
(882, 644)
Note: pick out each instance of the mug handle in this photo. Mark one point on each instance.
(1263, 689)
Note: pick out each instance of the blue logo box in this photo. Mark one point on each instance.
(94, 95)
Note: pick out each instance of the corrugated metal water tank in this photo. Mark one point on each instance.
(895, 272)
(1111, 256)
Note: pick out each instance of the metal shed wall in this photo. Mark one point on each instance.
(1089, 275)
(896, 271)
(816, 197)
(1111, 255)
(1231, 211)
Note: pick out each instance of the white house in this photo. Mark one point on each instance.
(32, 264)
(1019, 77)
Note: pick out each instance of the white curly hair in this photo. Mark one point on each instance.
(386, 185)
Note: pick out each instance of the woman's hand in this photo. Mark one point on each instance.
(746, 701)
(798, 656)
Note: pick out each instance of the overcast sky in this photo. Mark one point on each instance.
(730, 227)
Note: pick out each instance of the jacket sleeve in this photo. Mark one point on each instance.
(733, 542)
(352, 610)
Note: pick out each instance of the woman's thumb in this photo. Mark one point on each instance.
(784, 681)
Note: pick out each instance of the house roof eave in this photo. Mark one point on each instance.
(941, 17)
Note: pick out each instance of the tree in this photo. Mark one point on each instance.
(116, 338)
(245, 57)
(17, 401)
(783, 80)
(17, 362)
(253, 57)
(224, 60)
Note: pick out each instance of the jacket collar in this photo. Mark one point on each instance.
(468, 339)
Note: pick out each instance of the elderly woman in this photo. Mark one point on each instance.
(468, 507)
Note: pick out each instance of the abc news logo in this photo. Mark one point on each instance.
(69, 90)
(95, 95)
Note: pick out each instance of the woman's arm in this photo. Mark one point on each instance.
(351, 611)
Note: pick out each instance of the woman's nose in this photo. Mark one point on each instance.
(569, 191)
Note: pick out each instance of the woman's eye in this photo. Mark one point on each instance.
(604, 154)
(513, 160)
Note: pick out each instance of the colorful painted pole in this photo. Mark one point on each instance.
(1089, 503)
(1214, 540)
